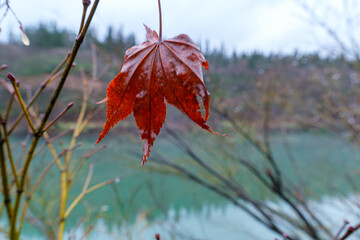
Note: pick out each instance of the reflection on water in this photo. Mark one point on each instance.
(145, 202)
(216, 223)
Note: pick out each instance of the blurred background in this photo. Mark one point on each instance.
(284, 81)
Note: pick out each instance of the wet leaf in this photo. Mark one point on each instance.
(152, 72)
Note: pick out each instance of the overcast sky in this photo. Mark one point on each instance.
(241, 25)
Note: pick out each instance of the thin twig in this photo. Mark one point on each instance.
(21, 101)
(85, 158)
(86, 4)
(87, 232)
(4, 180)
(28, 198)
(87, 190)
(350, 231)
(58, 116)
(9, 153)
(53, 75)
(8, 109)
(346, 222)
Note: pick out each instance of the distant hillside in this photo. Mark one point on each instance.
(241, 84)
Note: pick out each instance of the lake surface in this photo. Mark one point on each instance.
(149, 200)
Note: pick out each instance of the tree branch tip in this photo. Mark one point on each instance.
(70, 104)
(86, 3)
(11, 77)
(3, 67)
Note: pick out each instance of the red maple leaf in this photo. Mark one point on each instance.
(154, 71)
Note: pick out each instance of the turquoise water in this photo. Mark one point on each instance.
(151, 199)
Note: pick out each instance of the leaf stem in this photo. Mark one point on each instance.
(160, 21)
